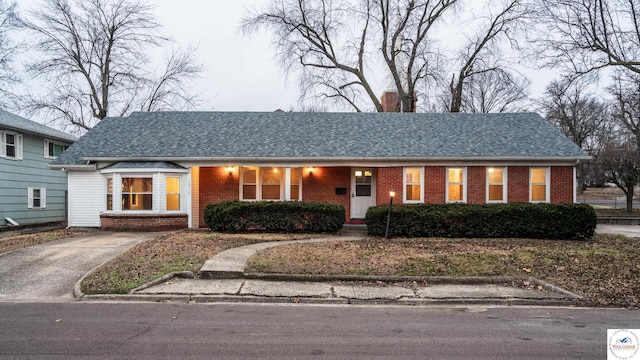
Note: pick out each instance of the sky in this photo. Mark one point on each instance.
(241, 71)
(242, 74)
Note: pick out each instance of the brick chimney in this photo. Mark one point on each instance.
(390, 101)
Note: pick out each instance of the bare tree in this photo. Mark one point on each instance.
(494, 91)
(94, 61)
(8, 49)
(620, 162)
(581, 117)
(481, 54)
(626, 92)
(588, 35)
(333, 40)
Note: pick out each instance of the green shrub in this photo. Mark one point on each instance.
(515, 220)
(274, 216)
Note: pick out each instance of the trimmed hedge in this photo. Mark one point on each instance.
(514, 220)
(274, 216)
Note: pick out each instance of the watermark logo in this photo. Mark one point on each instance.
(623, 344)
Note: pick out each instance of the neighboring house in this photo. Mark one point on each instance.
(158, 170)
(30, 192)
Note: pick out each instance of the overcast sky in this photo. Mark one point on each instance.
(242, 74)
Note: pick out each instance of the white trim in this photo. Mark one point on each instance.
(504, 185)
(143, 170)
(464, 185)
(547, 184)
(404, 185)
(3, 149)
(17, 145)
(47, 142)
(575, 185)
(31, 198)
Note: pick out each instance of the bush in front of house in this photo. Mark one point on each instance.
(514, 220)
(274, 216)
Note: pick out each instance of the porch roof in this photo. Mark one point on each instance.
(262, 136)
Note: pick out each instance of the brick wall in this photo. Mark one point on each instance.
(144, 222)
(476, 184)
(389, 178)
(518, 184)
(322, 183)
(216, 186)
(561, 184)
(435, 184)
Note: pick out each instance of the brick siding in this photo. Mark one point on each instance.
(144, 222)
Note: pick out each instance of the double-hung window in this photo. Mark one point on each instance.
(172, 193)
(137, 193)
(539, 184)
(456, 184)
(53, 149)
(270, 183)
(413, 184)
(496, 184)
(36, 198)
(10, 145)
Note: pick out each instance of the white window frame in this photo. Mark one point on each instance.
(285, 183)
(31, 198)
(504, 185)
(47, 143)
(464, 185)
(404, 185)
(547, 184)
(18, 145)
(154, 191)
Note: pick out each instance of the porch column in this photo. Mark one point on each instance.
(287, 184)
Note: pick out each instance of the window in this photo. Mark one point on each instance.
(539, 184)
(363, 182)
(53, 149)
(295, 183)
(456, 185)
(10, 145)
(109, 193)
(413, 183)
(496, 189)
(269, 183)
(36, 198)
(137, 193)
(173, 193)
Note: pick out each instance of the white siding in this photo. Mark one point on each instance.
(86, 198)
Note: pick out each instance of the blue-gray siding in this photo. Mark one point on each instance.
(16, 176)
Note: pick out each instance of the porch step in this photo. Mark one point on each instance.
(354, 230)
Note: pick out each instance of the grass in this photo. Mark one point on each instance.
(21, 241)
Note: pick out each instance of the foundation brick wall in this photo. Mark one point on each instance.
(144, 222)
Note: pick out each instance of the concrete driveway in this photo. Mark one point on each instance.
(48, 272)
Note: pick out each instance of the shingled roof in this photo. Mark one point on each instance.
(171, 136)
(20, 124)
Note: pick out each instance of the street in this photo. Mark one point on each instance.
(238, 331)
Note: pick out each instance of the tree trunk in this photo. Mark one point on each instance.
(630, 193)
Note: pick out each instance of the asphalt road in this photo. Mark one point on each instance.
(236, 331)
(48, 272)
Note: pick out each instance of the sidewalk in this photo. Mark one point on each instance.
(222, 279)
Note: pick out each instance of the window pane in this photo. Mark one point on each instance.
(455, 192)
(495, 193)
(412, 175)
(110, 194)
(249, 176)
(363, 190)
(538, 176)
(137, 202)
(173, 185)
(10, 139)
(249, 192)
(271, 192)
(495, 175)
(538, 193)
(413, 192)
(295, 176)
(295, 192)
(173, 201)
(270, 176)
(137, 185)
(455, 175)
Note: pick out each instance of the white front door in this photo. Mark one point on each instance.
(363, 191)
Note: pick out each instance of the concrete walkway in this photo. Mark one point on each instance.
(626, 230)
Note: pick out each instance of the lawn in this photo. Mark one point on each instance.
(605, 270)
(20, 241)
